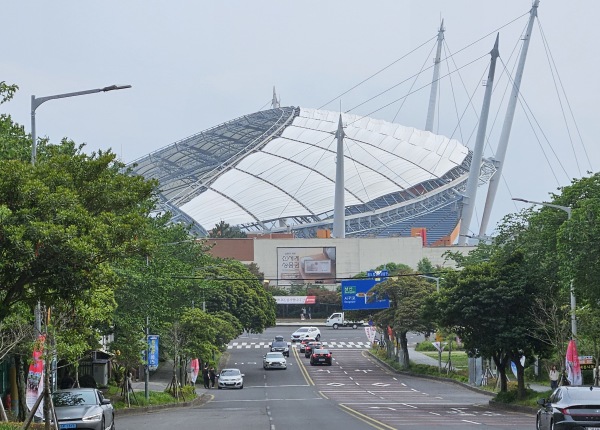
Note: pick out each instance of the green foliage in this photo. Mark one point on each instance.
(224, 230)
(63, 221)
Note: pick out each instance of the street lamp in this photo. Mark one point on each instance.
(35, 102)
(437, 280)
(568, 210)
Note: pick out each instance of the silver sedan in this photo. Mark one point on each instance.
(274, 360)
(83, 408)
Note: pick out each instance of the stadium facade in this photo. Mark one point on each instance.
(274, 171)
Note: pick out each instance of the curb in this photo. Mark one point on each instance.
(198, 401)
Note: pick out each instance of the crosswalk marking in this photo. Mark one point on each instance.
(330, 345)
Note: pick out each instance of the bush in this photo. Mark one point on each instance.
(425, 346)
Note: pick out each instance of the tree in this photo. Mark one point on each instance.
(407, 293)
(63, 221)
(224, 230)
(489, 306)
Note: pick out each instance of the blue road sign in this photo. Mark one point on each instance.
(357, 295)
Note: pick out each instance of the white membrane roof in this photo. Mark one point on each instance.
(294, 174)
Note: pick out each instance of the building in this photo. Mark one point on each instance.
(273, 171)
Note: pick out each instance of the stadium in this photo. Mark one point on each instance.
(274, 171)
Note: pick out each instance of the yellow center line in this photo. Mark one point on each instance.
(303, 370)
(366, 419)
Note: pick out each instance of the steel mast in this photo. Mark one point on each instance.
(473, 180)
(339, 219)
(275, 103)
(434, 82)
(506, 128)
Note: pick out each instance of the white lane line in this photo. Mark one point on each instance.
(471, 422)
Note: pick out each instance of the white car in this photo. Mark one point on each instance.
(305, 333)
(274, 360)
(231, 378)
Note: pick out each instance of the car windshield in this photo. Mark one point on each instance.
(274, 355)
(230, 372)
(321, 351)
(73, 398)
(302, 330)
(279, 344)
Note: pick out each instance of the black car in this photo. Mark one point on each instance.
(303, 343)
(310, 346)
(321, 356)
(570, 407)
(280, 346)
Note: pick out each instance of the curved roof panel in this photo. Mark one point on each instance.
(291, 173)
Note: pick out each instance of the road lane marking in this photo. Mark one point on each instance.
(471, 422)
(303, 369)
(366, 419)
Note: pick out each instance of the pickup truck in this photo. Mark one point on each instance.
(337, 320)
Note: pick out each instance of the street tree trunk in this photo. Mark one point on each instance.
(403, 357)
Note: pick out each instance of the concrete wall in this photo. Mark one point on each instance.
(354, 255)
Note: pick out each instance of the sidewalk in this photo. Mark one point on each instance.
(161, 378)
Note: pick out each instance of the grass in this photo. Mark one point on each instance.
(154, 398)
(460, 359)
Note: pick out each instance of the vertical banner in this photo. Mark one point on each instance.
(152, 352)
(370, 332)
(35, 377)
(195, 365)
(572, 363)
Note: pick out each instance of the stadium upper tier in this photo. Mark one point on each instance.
(274, 171)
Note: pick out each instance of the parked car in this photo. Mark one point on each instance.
(274, 360)
(83, 408)
(306, 332)
(570, 407)
(310, 347)
(321, 356)
(303, 343)
(230, 378)
(280, 346)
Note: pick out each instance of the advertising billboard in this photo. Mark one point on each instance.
(357, 295)
(305, 265)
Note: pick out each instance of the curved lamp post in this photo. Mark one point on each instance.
(568, 210)
(35, 102)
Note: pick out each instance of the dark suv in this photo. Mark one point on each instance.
(280, 345)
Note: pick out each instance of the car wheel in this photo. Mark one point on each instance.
(103, 425)
(219, 387)
(241, 387)
(318, 338)
(335, 326)
(354, 326)
(538, 426)
(112, 426)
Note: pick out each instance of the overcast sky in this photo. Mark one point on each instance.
(194, 65)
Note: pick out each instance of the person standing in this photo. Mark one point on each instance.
(212, 376)
(206, 376)
(553, 374)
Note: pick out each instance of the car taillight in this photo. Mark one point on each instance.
(328, 355)
(564, 411)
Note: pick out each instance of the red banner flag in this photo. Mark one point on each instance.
(572, 363)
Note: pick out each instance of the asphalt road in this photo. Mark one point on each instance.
(356, 392)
